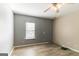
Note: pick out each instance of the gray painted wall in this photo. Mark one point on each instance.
(41, 25)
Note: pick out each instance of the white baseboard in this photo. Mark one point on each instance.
(74, 50)
(11, 52)
(70, 48)
(30, 44)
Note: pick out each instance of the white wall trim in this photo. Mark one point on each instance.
(11, 52)
(30, 44)
(70, 48)
(74, 50)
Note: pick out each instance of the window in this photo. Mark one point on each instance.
(30, 31)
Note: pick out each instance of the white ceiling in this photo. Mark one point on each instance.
(37, 9)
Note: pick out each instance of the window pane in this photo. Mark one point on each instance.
(30, 34)
(30, 30)
(30, 26)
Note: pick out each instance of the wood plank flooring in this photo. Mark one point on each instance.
(43, 50)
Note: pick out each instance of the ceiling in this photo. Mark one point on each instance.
(37, 9)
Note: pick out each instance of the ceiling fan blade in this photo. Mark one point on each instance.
(47, 9)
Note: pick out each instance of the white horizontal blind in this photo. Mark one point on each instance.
(30, 30)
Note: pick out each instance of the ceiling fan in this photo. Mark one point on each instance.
(55, 6)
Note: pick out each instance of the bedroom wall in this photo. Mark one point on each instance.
(43, 29)
(66, 31)
(6, 29)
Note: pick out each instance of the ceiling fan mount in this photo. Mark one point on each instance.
(55, 6)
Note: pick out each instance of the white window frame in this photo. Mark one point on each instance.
(29, 29)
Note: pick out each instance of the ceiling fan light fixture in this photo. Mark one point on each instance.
(57, 6)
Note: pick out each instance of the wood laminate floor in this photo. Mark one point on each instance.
(43, 50)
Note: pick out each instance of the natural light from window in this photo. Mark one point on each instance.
(30, 30)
